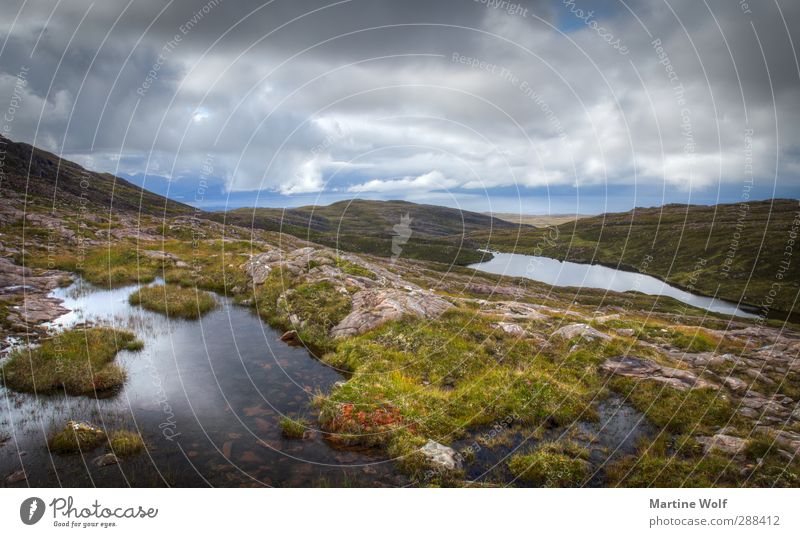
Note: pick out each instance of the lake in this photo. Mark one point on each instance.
(569, 274)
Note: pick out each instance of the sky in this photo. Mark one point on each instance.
(542, 106)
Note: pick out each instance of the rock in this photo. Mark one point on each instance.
(374, 307)
(291, 338)
(724, 443)
(511, 328)
(441, 456)
(626, 332)
(629, 366)
(735, 384)
(16, 477)
(260, 265)
(581, 330)
(106, 460)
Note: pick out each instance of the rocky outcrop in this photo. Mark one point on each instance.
(28, 292)
(629, 366)
(441, 456)
(583, 331)
(374, 307)
(722, 443)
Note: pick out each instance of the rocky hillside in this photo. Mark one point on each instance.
(33, 171)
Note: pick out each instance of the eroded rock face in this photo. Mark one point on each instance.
(374, 307)
(441, 456)
(629, 366)
(581, 330)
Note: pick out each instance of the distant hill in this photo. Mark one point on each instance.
(727, 250)
(433, 233)
(30, 170)
(538, 220)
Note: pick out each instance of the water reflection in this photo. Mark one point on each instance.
(568, 274)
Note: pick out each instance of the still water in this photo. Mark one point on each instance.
(568, 274)
(207, 397)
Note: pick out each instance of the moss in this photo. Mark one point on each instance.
(348, 267)
(76, 437)
(125, 443)
(294, 428)
(174, 301)
(551, 465)
(80, 361)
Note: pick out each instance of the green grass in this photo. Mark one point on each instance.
(76, 438)
(698, 410)
(294, 428)
(416, 379)
(125, 443)
(551, 465)
(174, 301)
(79, 361)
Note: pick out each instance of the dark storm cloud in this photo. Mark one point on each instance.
(392, 97)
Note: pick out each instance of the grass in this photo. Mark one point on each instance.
(697, 410)
(417, 379)
(294, 428)
(79, 361)
(125, 443)
(76, 437)
(174, 301)
(318, 306)
(551, 465)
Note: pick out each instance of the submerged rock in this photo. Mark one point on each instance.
(441, 456)
(106, 460)
(16, 477)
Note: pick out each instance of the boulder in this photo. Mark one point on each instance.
(291, 338)
(511, 328)
(374, 307)
(629, 366)
(581, 330)
(723, 443)
(441, 456)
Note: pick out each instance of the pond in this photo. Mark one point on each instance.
(569, 274)
(207, 397)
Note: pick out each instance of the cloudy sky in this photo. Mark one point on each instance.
(531, 106)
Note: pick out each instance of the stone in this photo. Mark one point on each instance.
(374, 307)
(16, 477)
(511, 328)
(626, 332)
(724, 443)
(441, 456)
(629, 366)
(107, 459)
(581, 330)
(291, 338)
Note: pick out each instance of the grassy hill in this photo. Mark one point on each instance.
(729, 250)
(433, 233)
(43, 175)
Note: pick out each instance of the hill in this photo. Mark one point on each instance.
(733, 251)
(29, 170)
(419, 231)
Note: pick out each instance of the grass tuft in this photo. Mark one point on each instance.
(79, 361)
(174, 301)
